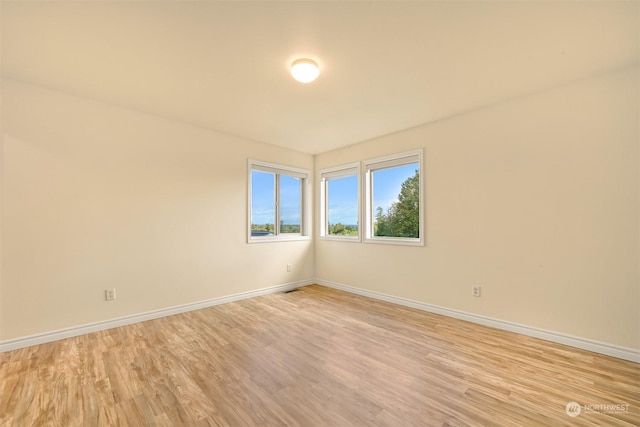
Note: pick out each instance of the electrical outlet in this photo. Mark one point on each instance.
(289, 268)
(110, 294)
(475, 290)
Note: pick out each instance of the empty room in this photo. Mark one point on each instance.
(320, 213)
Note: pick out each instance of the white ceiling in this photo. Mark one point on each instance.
(385, 66)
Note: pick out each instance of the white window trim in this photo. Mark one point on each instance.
(338, 172)
(385, 162)
(305, 218)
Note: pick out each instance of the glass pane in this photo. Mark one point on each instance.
(342, 206)
(290, 204)
(263, 203)
(396, 201)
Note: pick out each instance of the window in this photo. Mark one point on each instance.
(277, 203)
(393, 199)
(340, 203)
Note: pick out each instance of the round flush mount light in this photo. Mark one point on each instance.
(304, 70)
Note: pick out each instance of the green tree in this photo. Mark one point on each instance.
(265, 227)
(381, 227)
(337, 228)
(340, 229)
(402, 219)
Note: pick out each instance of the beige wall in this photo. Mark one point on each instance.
(536, 200)
(96, 196)
(1, 186)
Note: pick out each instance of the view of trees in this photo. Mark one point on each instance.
(289, 228)
(270, 228)
(402, 219)
(343, 230)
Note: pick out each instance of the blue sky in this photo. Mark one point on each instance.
(263, 196)
(388, 182)
(343, 200)
(343, 195)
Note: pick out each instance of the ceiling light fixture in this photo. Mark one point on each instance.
(304, 70)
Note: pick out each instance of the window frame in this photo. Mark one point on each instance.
(394, 160)
(324, 176)
(305, 218)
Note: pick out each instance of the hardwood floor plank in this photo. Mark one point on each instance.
(314, 357)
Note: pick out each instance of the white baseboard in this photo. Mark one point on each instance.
(557, 337)
(74, 331)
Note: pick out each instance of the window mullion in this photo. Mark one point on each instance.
(325, 220)
(369, 204)
(302, 206)
(276, 226)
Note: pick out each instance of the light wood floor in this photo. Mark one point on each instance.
(314, 357)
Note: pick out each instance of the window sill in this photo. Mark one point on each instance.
(352, 239)
(398, 241)
(272, 239)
